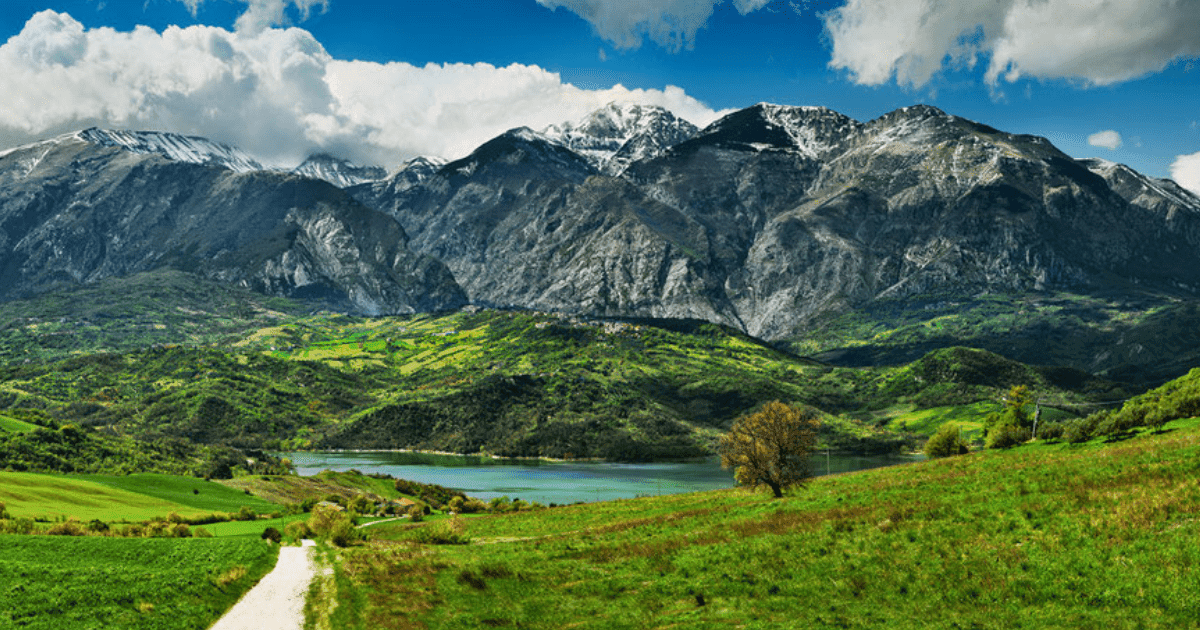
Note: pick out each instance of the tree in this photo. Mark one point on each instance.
(1011, 426)
(771, 447)
(946, 442)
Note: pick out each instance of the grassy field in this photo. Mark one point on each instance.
(13, 425)
(52, 582)
(1044, 536)
(196, 494)
(52, 497)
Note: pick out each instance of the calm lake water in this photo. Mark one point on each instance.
(557, 482)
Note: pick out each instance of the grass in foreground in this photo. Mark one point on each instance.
(1045, 536)
(52, 582)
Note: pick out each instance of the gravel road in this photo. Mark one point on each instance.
(277, 601)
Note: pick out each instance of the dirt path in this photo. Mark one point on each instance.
(277, 601)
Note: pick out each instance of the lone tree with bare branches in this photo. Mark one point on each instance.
(771, 447)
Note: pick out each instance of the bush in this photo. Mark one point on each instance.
(416, 513)
(1054, 431)
(245, 514)
(181, 530)
(335, 526)
(272, 535)
(345, 534)
(297, 530)
(1007, 436)
(68, 528)
(4, 515)
(946, 442)
(200, 532)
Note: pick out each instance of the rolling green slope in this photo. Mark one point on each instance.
(1044, 536)
(52, 497)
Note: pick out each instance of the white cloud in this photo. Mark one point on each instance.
(1107, 139)
(1098, 42)
(671, 24)
(262, 14)
(1186, 172)
(277, 93)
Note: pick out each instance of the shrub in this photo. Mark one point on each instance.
(16, 526)
(200, 532)
(1054, 431)
(416, 513)
(245, 514)
(68, 528)
(297, 530)
(1006, 436)
(946, 442)
(362, 505)
(336, 526)
(181, 530)
(97, 526)
(272, 535)
(345, 534)
(4, 515)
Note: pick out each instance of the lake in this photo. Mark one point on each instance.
(557, 482)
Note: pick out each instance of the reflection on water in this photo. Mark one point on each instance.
(557, 482)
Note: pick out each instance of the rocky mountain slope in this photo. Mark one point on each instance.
(81, 208)
(775, 216)
(775, 220)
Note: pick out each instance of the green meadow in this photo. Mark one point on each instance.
(55, 497)
(195, 494)
(1049, 535)
(13, 425)
(84, 583)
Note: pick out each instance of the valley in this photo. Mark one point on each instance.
(177, 319)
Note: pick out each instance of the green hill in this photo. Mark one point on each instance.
(1045, 536)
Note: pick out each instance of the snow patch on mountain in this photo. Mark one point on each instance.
(618, 134)
(815, 131)
(1167, 188)
(191, 149)
(337, 171)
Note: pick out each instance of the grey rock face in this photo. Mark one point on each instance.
(774, 215)
(74, 211)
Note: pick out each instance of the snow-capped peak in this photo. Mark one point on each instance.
(337, 171)
(617, 134)
(177, 147)
(814, 130)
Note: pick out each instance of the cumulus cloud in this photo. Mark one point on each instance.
(671, 24)
(1107, 139)
(1186, 172)
(278, 94)
(1097, 42)
(261, 14)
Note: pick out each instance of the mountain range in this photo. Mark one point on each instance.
(775, 220)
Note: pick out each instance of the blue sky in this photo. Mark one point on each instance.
(385, 81)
